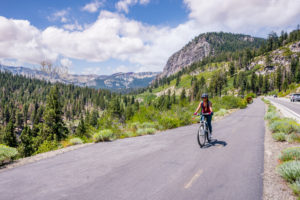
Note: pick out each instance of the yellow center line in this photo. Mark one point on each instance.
(195, 177)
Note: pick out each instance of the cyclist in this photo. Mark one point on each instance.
(206, 108)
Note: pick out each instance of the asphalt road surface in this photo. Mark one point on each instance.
(166, 166)
(294, 106)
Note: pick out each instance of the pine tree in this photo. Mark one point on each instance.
(26, 146)
(183, 95)
(54, 125)
(94, 118)
(279, 78)
(9, 137)
(81, 129)
(231, 69)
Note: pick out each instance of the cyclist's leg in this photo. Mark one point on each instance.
(208, 118)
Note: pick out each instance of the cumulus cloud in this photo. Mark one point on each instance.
(66, 62)
(22, 41)
(243, 15)
(146, 47)
(124, 4)
(61, 15)
(93, 6)
(73, 27)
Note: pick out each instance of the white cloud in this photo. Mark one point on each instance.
(124, 4)
(121, 68)
(93, 6)
(66, 62)
(61, 15)
(113, 36)
(73, 27)
(243, 15)
(22, 41)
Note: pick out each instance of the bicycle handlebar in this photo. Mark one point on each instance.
(205, 114)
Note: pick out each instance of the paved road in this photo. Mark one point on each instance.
(169, 165)
(294, 106)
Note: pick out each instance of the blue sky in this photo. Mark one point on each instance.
(109, 36)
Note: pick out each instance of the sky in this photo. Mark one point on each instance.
(110, 36)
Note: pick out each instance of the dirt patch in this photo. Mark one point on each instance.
(275, 188)
(24, 161)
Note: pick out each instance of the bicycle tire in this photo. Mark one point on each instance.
(201, 136)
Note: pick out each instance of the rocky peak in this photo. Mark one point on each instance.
(194, 51)
(207, 44)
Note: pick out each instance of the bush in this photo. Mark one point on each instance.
(148, 125)
(290, 170)
(272, 115)
(296, 187)
(221, 112)
(293, 137)
(168, 122)
(288, 154)
(127, 134)
(285, 125)
(47, 146)
(104, 135)
(75, 141)
(7, 153)
(279, 137)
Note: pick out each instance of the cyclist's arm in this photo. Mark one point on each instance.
(199, 107)
(210, 107)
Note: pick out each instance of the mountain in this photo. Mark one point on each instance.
(115, 82)
(205, 45)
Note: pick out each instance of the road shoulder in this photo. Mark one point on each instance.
(275, 188)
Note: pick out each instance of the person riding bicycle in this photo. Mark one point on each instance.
(206, 108)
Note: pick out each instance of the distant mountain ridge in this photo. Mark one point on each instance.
(208, 44)
(116, 81)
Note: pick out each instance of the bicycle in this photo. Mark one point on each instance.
(203, 133)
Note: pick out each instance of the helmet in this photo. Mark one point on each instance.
(204, 95)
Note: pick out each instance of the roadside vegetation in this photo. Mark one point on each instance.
(286, 130)
(37, 116)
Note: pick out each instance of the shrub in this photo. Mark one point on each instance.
(279, 137)
(47, 146)
(75, 141)
(285, 125)
(168, 122)
(127, 134)
(290, 170)
(272, 115)
(7, 153)
(150, 130)
(293, 137)
(296, 187)
(148, 125)
(292, 153)
(104, 135)
(221, 112)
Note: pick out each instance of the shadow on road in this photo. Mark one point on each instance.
(215, 142)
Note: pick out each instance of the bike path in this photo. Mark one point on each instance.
(169, 165)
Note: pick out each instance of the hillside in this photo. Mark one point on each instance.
(114, 82)
(272, 67)
(208, 45)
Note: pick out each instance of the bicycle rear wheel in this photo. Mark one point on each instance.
(201, 136)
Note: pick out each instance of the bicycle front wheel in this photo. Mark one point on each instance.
(201, 136)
